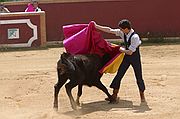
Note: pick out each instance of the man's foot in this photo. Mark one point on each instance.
(112, 101)
(143, 100)
(142, 96)
(113, 97)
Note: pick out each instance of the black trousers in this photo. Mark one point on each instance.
(135, 61)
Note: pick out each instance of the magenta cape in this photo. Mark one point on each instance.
(85, 39)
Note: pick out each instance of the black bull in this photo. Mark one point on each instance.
(80, 70)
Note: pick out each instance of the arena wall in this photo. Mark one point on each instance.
(22, 29)
(150, 18)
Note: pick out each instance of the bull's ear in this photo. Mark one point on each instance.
(68, 63)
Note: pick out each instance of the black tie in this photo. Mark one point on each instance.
(125, 41)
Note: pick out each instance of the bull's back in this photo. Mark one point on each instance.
(92, 62)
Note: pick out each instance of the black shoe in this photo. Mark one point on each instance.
(114, 101)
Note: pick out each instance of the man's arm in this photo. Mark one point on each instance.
(104, 28)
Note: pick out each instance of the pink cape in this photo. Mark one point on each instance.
(85, 39)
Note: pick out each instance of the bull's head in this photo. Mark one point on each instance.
(64, 65)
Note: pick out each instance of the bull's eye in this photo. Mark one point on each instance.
(61, 71)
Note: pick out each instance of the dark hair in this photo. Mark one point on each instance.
(124, 24)
(2, 5)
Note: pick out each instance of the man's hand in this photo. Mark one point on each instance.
(121, 49)
(128, 52)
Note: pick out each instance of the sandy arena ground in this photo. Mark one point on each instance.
(27, 79)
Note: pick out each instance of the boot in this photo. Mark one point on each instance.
(115, 92)
(114, 95)
(142, 96)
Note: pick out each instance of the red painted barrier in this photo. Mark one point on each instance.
(22, 29)
(149, 17)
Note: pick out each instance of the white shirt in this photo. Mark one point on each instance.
(37, 9)
(135, 40)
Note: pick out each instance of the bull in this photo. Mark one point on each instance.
(80, 70)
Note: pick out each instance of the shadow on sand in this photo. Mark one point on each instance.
(104, 106)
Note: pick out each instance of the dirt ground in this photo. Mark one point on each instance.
(27, 81)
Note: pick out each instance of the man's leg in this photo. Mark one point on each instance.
(117, 79)
(140, 82)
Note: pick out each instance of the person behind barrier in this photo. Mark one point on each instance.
(33, 6)
(3, 9)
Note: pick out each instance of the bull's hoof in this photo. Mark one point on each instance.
(55, 107)
(78, 103)
(74, 106)
(112, 98)
(107, 99)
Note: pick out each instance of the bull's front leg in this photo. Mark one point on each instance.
(79, 94)
(57, 87)
(99, 85)
(56, 91)
(69, 86)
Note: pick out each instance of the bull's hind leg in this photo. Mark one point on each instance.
(57, 87)
(69, 86)
(99, 85)
(79, 94)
